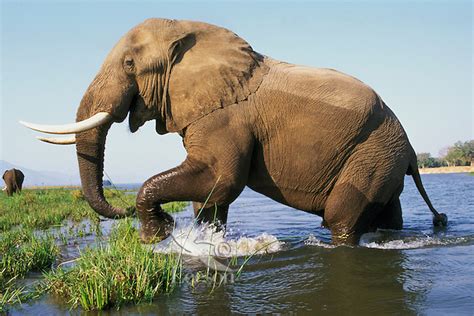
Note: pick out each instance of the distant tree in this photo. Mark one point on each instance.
(439, 162)
(423, 159)
(426, 161)
(467, 149)
(461, 154)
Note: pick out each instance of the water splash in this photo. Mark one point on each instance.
(205, 240)
(313, 241)
(412, 242)
(386, 240)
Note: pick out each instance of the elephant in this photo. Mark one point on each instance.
(314, 139)
(13, 181)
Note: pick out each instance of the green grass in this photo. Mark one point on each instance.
(27, 245)
(10, 294)
(21, 251)
(113, 274)
(43, 208)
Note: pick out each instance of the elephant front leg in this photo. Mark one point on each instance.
(211, 213)
(156, 224)
(191, 181)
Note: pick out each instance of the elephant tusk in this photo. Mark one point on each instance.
(4, 189)
(58, 141)
(92, 122)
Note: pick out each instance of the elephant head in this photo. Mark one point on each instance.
(173, 72)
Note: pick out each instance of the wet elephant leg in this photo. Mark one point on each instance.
(191, 181)
(349, 214)
(391, 216)
(219, 150)
(213, 214)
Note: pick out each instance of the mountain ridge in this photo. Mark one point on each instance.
(41, 177)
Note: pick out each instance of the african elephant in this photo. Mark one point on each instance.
(315, 139)
(13, 181)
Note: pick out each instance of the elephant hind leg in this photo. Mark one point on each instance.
(366, 192)
(349, 213)
(391, 216)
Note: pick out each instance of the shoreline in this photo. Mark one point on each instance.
(440, 170)
(437, 170)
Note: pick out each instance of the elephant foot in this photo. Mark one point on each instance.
(156, 227)
(348, 240)
(344, 236)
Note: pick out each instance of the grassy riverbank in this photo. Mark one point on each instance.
(117, 272)
(39, 224)
(457, 169)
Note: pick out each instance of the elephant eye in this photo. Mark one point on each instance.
(128, 63)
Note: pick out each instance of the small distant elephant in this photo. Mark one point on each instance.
(13, 181)
(314, 139)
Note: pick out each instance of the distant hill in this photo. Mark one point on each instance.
(40, 178)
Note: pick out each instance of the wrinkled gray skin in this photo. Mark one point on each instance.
(13, 181)
(314, 139)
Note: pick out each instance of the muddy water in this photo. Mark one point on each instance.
(416, 271)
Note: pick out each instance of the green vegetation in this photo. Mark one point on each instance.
(460, 154)
(426, 161)
(43, 208)
(27, 244)
(9, 293)
(116, 273)
(21, 252)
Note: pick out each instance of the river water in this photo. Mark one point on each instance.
(419, 270)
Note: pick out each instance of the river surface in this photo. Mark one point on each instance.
(419, 270)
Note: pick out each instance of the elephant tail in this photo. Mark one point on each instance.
(439, 219)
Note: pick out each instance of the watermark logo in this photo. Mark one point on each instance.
(217, 253)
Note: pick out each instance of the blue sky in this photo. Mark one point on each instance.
(416, 55)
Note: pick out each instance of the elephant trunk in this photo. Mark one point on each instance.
(90, 147)
(112, 94)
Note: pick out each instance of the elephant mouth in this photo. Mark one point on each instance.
(140, 113)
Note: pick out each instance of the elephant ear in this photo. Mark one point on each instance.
(212, 68)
